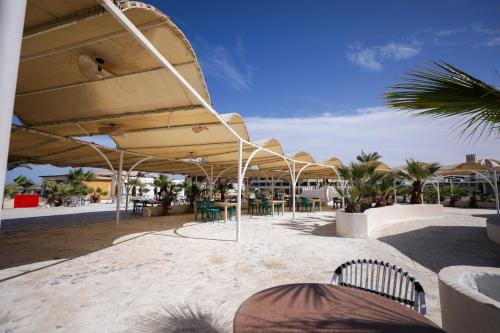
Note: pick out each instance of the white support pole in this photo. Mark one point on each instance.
(272, 185)
(294, 185)
(395, 193)
(11, 35)
(438, 191)
(240, 185)
(127, 187)
(211, 181)
(119, 189)
(495, 182)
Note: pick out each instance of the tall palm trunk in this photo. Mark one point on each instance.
(416, 192)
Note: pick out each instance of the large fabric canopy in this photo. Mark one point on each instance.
(82, 73)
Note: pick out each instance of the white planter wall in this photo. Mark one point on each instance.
(360, 225)
(470, 299)
(493, 231)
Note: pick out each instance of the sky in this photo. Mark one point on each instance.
(312, 73)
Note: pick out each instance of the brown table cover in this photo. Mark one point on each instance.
(311, 307)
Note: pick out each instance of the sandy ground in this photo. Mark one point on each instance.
(169, 272)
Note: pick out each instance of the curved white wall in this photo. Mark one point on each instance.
(493, 231)
(360, 225)
(470, 299)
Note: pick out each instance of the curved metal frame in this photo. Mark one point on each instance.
(377, 279)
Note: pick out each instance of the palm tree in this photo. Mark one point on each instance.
(193, 189)
(417, 173)
(368, 157)
(359, 191)
(78, 176)
(24, 182)
(384, 189)
(58, 192)
(445, 91)
(454, 193)
(168, 190)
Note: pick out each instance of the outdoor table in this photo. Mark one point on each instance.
(312, 307)
(314, 201)
(150, 202)
(282, 202)
(225, 205)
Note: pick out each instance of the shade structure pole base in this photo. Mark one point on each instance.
(119, 189)
(240, 185)
(11, 35)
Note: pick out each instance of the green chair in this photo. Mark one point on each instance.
(277, 208)
(265, 207)
(213, 212)
(201, 208)
(306, 204)
(231, 211)
(252, 204)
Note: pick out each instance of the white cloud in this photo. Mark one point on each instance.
(398, 51)
(227, 65)
(494, 42)
(480, 29)
(448, 32)
(372, 58)
(365, 58)
(442, 37)
(393, 134)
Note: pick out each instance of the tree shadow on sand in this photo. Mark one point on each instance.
(182, 319)
(323, 226)
(70, 236)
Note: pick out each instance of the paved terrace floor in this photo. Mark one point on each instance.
(165, 274)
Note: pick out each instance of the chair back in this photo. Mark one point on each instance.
(383, 279)
(209, 204)
(251, 201)
(200, 204)
(264, 202)
(304, 200)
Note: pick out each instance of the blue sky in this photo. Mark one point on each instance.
(318, 69)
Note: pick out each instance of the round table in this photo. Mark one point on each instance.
(311, 307)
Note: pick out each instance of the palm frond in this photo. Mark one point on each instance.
(446, 91)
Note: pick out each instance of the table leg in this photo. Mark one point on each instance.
(272, 208)
(319, 203)
(225, 214)
(283, 208)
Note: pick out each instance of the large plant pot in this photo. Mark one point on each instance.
(361, 225)
(470, 299)
(493, 230)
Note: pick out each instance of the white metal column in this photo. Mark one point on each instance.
(438, 191)
(240, 185)
(495, 182)
(211, 181)
(294, 186)
(119, 179)
(11, 36)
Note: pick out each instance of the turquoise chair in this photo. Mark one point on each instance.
(231, 211)
(213, 212)
(201, 208)
(265, 207)
(277, 208)
(306, 204)
(252, 204)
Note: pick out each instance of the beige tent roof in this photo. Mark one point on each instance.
(82, 73)
(465, 169)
